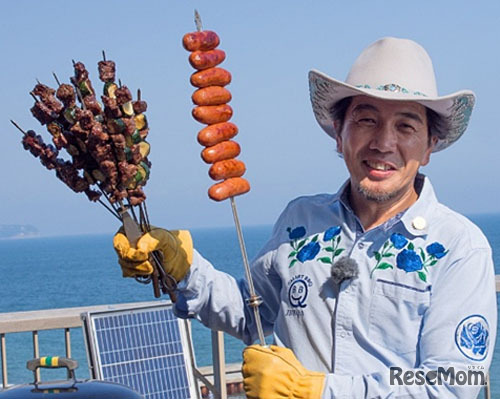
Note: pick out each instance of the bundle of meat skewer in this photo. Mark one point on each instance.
(107, 154)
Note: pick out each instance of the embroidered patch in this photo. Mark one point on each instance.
(304, 249)
(473, 338)
(298, 290)
(408, 258)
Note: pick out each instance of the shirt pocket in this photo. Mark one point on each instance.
(396, 313)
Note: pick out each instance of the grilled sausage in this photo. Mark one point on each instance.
(219, 152)
(210, 114)
(225, 169)
(211, 77)
(206, 59)
(212, 95)
(214, 134)
(229, 188)
(204, 40)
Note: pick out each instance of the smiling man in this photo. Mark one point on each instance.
(383, 143)
(377, 291)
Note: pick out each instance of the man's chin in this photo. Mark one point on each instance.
(377, 194)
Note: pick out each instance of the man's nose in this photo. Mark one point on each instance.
(384, 139)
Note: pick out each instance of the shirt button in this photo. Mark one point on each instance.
(419, 223)
(361, 245)
(342, 334)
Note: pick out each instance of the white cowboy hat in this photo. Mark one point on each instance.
(393, 69)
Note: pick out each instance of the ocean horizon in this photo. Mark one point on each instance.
(81, 270)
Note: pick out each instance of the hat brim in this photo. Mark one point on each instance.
(454, 109)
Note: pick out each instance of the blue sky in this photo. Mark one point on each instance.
(270, 47)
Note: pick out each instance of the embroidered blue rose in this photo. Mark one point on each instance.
(331, 232)
(309, 251)
(332, 239)
(296, 233)
(436, 249)
(474, 336)
(398, 240)
(409, 260)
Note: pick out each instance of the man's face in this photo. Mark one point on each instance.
(384, 143)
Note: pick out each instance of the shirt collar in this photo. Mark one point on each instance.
(416, 218)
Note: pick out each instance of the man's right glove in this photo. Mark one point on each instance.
(176, 246)
(275, 373)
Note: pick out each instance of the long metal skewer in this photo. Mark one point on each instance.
(254, 301)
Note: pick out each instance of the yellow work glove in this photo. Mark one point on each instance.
(176, 246)
(273, 372)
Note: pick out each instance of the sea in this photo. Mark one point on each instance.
(70, 271)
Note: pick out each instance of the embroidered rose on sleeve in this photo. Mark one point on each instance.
(474, 336)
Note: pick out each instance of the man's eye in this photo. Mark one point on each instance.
(408, 128)
(367, 121)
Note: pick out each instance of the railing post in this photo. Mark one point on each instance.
(487, 391)
(36, 353)
(4, 361)
(67, 342)
(219, 364)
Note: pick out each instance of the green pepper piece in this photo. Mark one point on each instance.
(109, 89)
(84, 88)
(136, 137)
(69, 115)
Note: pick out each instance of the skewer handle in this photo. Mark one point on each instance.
(133, 233)
(132, 230)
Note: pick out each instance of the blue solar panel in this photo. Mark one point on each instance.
(147, 349)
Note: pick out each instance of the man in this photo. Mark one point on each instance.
(421, 295)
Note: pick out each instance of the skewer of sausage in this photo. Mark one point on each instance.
(212, 109)
(211, 100)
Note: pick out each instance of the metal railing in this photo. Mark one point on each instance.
(214, 378)
(64, 319)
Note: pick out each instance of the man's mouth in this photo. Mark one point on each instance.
(379, 169)
(378, 165)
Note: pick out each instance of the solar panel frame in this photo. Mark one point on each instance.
(144, 347)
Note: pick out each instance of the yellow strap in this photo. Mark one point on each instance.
(52, 361)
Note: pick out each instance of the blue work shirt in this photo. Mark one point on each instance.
(424, 299)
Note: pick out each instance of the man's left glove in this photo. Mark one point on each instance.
(275, 373)
(176, 246)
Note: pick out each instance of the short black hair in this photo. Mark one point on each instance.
(435, 122)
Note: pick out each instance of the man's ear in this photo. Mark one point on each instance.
(427, 155)
(338, 137)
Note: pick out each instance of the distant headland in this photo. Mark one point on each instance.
(18, 231)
